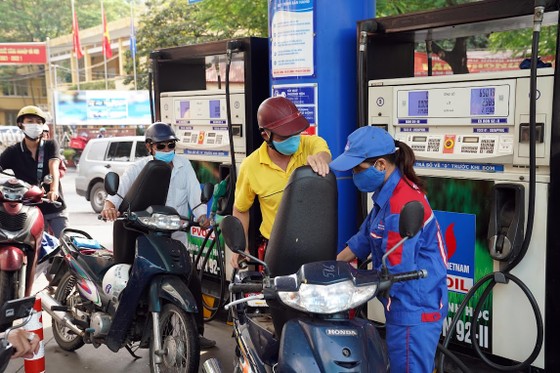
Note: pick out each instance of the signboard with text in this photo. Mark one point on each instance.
(23, 53)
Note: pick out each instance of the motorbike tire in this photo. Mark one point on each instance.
(8, 281)
(179, 341)
(66, 339)
(97, 197)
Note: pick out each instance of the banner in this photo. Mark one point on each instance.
(102, 108)
(23, 53)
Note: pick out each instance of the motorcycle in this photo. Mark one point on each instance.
(144, 305)
(308, 325)
(13, 310)
(21, 234)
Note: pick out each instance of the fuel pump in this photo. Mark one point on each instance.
(483, 145)
(215, 121)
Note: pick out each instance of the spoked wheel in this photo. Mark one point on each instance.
(66, 339)
(180, 347)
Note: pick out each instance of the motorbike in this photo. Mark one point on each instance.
(146, 304)
(21, 233)
(13, 310)
(308, 324)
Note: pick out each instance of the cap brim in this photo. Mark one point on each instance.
(345, 162)
(293, 128)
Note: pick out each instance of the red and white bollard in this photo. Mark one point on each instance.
(36, 364)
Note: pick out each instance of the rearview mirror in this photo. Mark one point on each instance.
(207, 191)
(111, 183)
(411, 219)
(233, 233)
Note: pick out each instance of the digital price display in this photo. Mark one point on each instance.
(417, 103)
(483, 101)
(214, 108)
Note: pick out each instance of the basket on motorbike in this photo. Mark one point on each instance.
(78, 142)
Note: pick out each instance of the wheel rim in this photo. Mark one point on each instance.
(174, 335)
(99, 197)
(64, 332)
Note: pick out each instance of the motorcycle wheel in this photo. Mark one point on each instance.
(65, 338)
(179, 342)
(8, 281)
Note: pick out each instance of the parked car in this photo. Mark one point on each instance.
(101, 156)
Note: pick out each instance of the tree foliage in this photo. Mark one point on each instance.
(173, 23)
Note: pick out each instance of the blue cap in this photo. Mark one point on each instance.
(363, 143)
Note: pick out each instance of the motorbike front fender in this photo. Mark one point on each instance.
(173, 289)
(11, 258)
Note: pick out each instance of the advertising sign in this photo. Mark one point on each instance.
(304, 96)
(292, 31)
(102, 108)
(23, 53)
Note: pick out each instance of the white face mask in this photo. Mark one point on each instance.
(33, 130)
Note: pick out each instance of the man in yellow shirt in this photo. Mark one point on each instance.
(265, 172)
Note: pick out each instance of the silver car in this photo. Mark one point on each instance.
(101, 156)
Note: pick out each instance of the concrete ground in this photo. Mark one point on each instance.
(103, 360)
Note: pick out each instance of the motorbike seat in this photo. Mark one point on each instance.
(305, 230)
(306, 226)
(149, 188)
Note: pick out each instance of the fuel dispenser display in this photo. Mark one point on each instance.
(199, 120)
(467, 132)
(192, 96)
(484, 145)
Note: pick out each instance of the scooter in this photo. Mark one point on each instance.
(308, 327)
(144, 305)
(21, 233)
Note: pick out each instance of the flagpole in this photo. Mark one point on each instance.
(133, 38)
(103, 23)
(77, 59)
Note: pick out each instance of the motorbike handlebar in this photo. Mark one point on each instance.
(246, 288)
(55, 203)
(412, 275)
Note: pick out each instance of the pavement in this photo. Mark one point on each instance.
(103, 360)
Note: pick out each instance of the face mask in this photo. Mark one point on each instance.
(369, 180)
(166, 157)
(288, 146)
(33, 130)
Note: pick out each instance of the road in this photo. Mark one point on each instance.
(102, 360)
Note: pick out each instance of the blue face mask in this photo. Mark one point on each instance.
(369, 180)
(166, 157)
(288, 146)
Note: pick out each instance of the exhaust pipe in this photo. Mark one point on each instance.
(48, 302)
(212, 365)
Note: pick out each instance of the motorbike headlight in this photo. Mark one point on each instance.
(161, 221)
(12, 194)
(327, 299)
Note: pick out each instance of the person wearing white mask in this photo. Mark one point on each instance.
(35, 158)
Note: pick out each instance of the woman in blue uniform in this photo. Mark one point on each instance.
(414, 310)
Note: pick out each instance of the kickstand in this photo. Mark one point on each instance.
(131, 352)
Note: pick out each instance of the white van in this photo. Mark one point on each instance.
(101, 156)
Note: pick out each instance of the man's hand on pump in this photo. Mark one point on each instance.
(203, 222)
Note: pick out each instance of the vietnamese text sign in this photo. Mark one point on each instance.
(23, 53)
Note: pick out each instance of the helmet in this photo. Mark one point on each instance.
(115, 280)
(159, 132)
(281, 116)
(46, 128)
(31, 110)
(102, 129)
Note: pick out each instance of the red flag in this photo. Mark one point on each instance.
(106, 40)
(76, 37)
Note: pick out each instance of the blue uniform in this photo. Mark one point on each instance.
(414, 310)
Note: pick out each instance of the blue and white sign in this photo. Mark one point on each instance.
(304, 96)
(292, 31)
(460, 166)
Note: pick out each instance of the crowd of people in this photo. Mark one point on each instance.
(379, 165)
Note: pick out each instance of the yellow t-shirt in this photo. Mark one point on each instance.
(259, 176)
